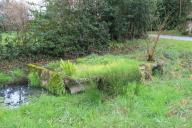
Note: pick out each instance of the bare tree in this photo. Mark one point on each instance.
(152, 42)
(14, 15)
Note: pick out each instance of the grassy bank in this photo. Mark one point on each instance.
(163, 105)
(164, 102)
(11, 77)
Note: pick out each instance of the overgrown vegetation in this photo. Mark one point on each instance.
(42, 77)
(163, 102)
(80, 28)
(119, 98)
(11, 77)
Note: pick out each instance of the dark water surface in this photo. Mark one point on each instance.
(15, 96)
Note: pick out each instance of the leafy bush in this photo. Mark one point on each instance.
(68, 68)
(85, 27)
(129, 18)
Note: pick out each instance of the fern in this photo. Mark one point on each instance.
(68, 68)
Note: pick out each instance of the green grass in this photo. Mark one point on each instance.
(17, 73)
(4, 78)
(34, 79)
(11, 76)
(165, 102)
(159, 106)
(113, 72)
(169, 32)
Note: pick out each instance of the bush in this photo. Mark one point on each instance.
(86, 27)
(82, 28)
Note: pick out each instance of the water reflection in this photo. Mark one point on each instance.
(14, 96)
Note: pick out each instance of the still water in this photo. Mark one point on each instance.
(15, 96)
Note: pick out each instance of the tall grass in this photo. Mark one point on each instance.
(164, 102)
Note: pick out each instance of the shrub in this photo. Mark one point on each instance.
(87, 27)
(129, 18)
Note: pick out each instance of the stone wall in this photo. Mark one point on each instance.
(49, 80)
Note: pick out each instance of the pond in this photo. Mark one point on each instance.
(15, 96)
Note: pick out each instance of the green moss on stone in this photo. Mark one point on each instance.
(56, 84)
(49, 80)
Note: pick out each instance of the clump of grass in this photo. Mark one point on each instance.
(68, 68)
(34, 79)
(17, 73)
(4, 78)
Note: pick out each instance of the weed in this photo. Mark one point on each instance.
(34, 79)
(68, 68)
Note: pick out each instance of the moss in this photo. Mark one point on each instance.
(56, 84)
(49, 80)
